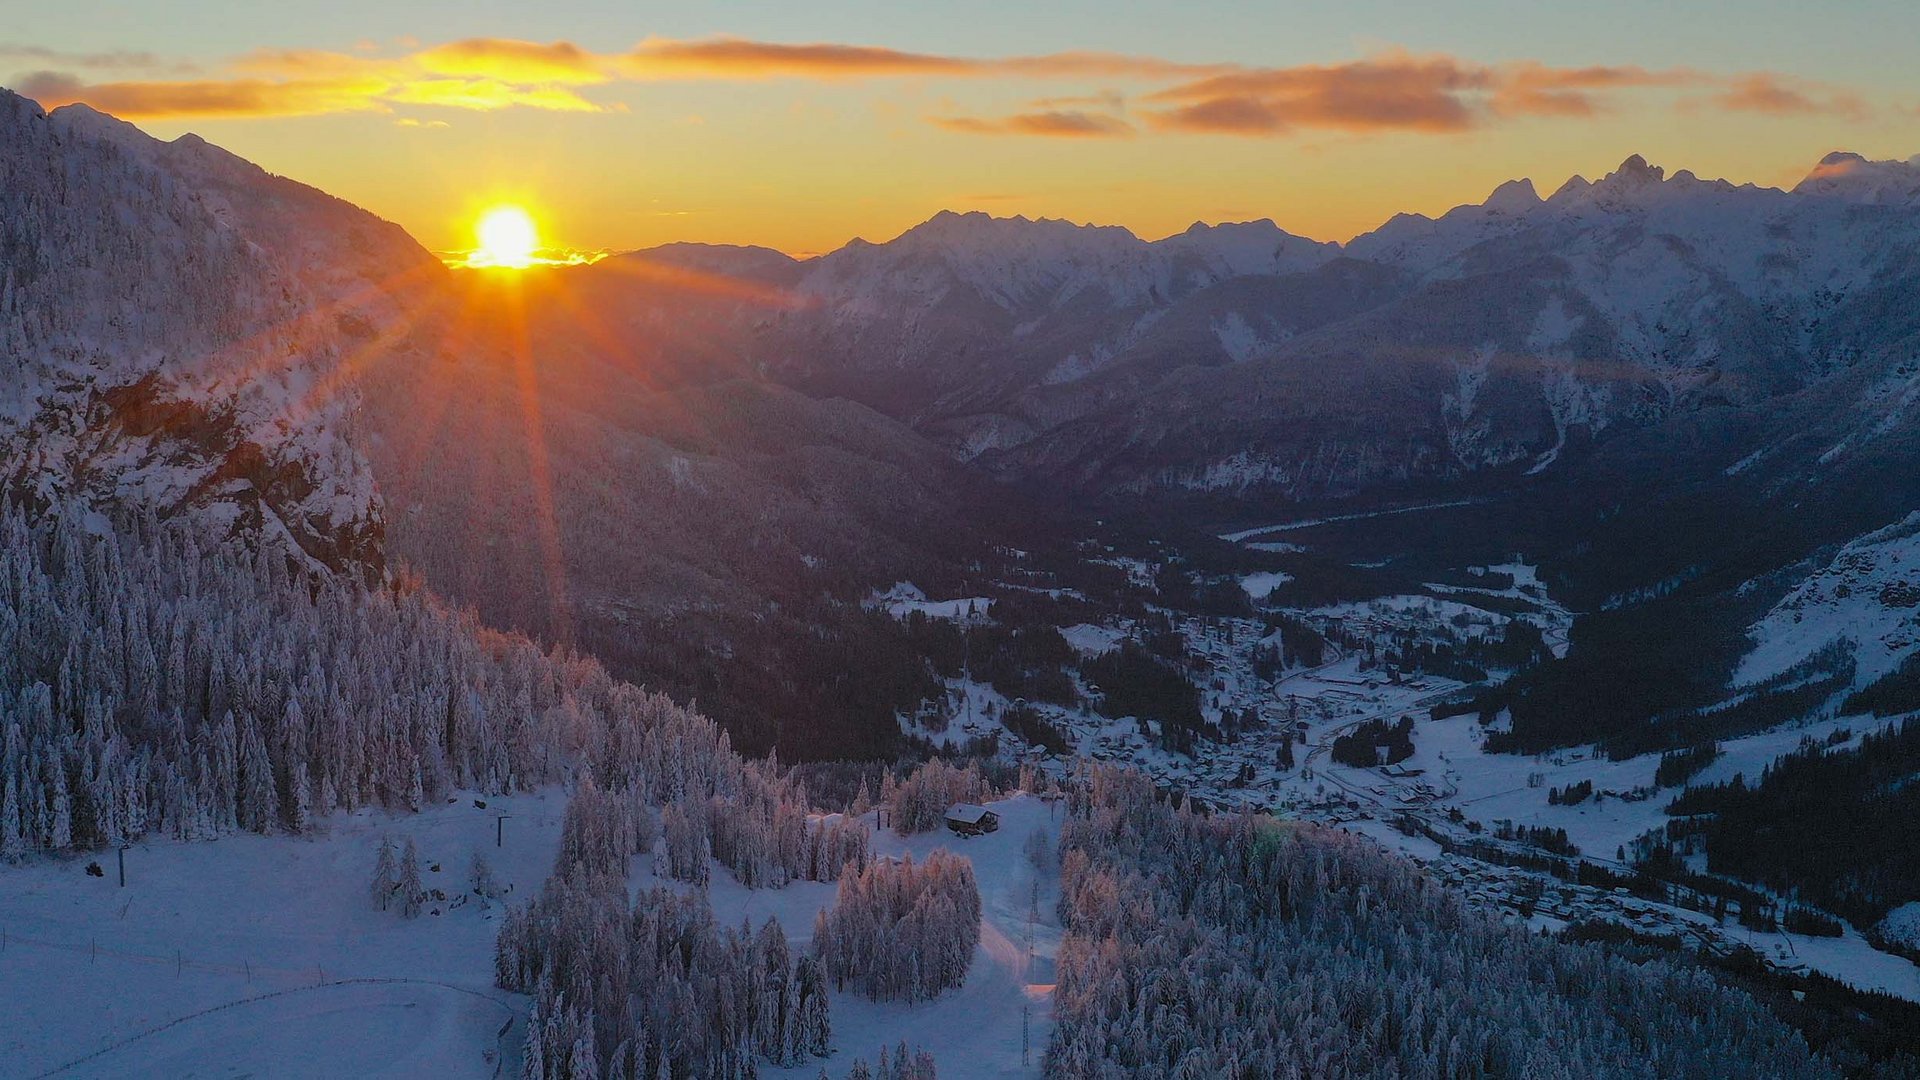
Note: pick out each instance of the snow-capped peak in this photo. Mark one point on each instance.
(1850, 176)
(1513, 197)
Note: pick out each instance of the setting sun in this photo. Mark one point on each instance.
(507, 238)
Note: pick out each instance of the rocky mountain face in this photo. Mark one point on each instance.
(156, 358)
(1499, 340)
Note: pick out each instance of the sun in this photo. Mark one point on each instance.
(507, 238)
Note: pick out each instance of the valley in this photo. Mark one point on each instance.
(1486, 640)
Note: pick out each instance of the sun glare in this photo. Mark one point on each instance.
(507, 238)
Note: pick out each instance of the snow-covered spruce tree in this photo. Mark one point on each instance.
(386, 875)
(900, 930)
(902, 1064)
(412, 892)
(480, 878)
(1243, 946)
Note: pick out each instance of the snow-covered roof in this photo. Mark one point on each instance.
(967, 813)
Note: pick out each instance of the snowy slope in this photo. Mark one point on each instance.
(264, 955)
(1868, 594)
(160, 360)
(215, 926)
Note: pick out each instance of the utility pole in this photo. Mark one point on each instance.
(1026, 1003)
(123, 866)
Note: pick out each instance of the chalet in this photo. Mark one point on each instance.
(966, 819)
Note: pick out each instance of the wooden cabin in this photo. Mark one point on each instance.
(967, 819)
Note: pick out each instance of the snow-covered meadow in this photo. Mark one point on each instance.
(263, 955)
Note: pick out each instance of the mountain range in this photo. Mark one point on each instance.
(1681, 396)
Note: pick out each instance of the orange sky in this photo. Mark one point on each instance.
(803, 145)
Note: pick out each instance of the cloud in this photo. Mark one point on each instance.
(1058, 123)
(209, 98)
(743, 58)
(114, 60)
(728, 57)
(475, 75)
(1110, 100)
(1534, 89)
(1395, 91)
(1231, 114)
(1391, 91)
(515, 61)
(1775, 95)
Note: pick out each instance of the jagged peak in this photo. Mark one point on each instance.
(1514, 195)
(1633, 173)
(1575, 185)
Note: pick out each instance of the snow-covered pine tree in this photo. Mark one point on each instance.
(412, 893)
(386, 875)
(480, 877)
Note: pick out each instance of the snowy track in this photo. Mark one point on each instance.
(351, 1027)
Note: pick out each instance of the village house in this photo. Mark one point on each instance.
(967, 819)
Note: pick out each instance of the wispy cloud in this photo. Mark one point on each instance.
(743, 58)
(1110, 100)
(208, 98)
(1062, 123)
(113, 60)
(523, 62)
(1394, 91)
(1775, 95)
(1391, 91)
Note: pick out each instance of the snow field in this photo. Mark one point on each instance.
(263, 955)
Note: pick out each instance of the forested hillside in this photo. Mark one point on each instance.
(1242, 946)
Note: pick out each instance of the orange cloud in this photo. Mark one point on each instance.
(743, 58)
(728, 57)
(480, 75)
(1110, 100)
(1531, 88)
(1774, 95)
(1394, 91)
(1232, 114)
(1058, 123)
(209, 98)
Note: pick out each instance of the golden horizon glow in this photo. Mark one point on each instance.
(507, 237)
(638, 135)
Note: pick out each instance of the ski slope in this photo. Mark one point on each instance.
(263, 956)
(240, 956)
